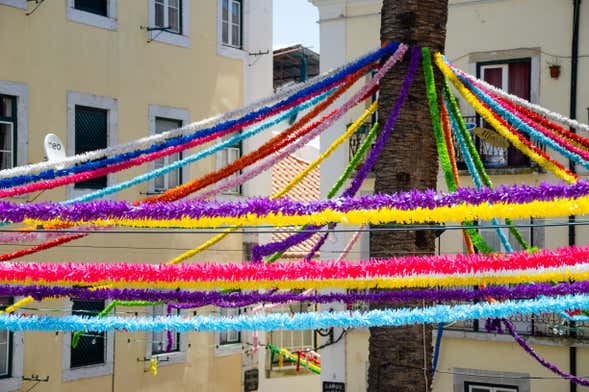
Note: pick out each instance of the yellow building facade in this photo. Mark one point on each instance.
(101, 73)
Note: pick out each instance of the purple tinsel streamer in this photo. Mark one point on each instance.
(359, 178)
(245, 298)
(429, 199)
(530, 350)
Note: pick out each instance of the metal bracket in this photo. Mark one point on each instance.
(35, 377)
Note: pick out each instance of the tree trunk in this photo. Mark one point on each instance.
(398, 356)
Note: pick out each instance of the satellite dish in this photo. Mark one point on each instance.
(54, 148)
(491, 137)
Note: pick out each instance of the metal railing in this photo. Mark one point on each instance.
(549, 325)
(492, 157)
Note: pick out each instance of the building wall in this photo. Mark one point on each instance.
(53, 55)
(491, 29)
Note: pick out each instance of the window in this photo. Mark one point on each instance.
(90, 134)
(513, 76)
(173, 178)
(231, 23)
(91, 347)
(229, 337)
(98, 7)
(8, 131)
(168, 15)
(5, 343)
(14, 104)
(163, 119)
(471, 387)
(170, 22)
(97, 13)
(94, 353)
(226, 157)
(92, 122)
(159, 340)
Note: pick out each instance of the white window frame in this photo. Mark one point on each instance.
(15, 3)
(14, 382)
(222, 350)
(171, 113)
(109, 22)
(227, 50)
(491, 388)
(171, 358)
(222, 163)
(21, 92)
(464, 376)
(167, 37)
(90, 371)
(504, 73)
(230, 23)
(94, 101)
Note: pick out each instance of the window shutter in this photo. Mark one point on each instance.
(91, 134)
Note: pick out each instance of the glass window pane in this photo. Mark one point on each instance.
(159, 15)
(225, 32)
(174, 20)
(173, 3)
(90, 134)
(173, 178)
(235, 39)
(225, 12)
(6, 109)
(6, 158)
(159, 343)
(98, 7)
(235, 12)
(91, 346)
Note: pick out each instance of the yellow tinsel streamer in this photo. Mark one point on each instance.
(396, 282)
(17, 305)
(458, 213)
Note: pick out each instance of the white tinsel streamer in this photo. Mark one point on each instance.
(161, 137)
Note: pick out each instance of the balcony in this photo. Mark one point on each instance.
(549, 325)
(497, 160)
(356, 140)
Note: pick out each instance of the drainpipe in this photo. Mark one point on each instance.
(573, 115)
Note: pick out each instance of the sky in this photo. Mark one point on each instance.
(295, 22)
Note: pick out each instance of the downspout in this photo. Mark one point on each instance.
(573, 115)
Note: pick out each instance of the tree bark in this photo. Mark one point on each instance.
(398, 356)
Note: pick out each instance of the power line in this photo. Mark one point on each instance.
(286, 230)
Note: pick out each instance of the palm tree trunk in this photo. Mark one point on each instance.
(398, 356)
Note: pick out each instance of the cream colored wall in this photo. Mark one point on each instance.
(53, 55)
(505, 356)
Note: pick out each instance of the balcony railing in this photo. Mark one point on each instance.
(549, 325)
(356, 140)
(493, 157)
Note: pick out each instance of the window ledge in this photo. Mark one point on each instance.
(170, 38)
(231, 52)
(166, 359)
(17, 4)
(86, 372)
(228, 349)
(91, 19)
(10, 384)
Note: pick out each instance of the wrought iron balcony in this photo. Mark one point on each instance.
(356, 140)
(493, 157)
(549, 325)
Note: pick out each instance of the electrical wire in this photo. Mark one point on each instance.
(265, 229)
